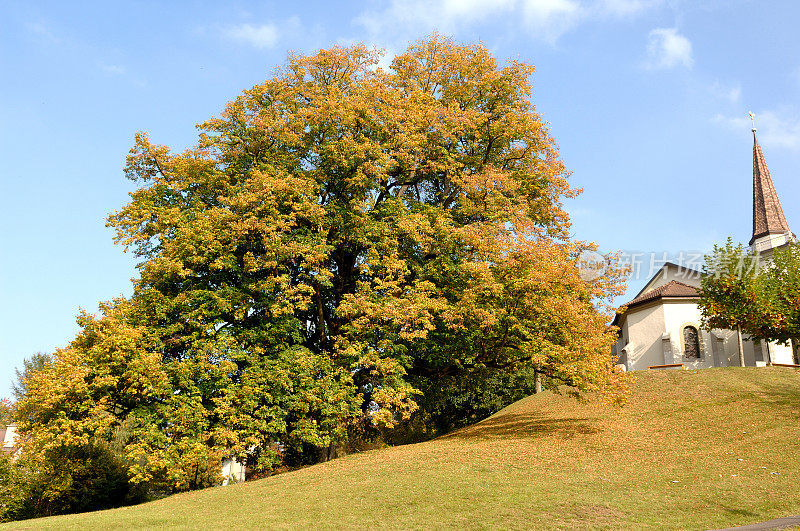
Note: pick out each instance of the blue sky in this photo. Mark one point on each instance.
(646, 98)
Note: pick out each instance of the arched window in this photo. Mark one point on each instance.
(691, 342)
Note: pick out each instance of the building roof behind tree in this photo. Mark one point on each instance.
(672, 288)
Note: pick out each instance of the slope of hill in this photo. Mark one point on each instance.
(706, 449)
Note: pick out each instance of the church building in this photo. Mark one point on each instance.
(660, 327)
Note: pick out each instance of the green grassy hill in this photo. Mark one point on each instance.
(697, 450)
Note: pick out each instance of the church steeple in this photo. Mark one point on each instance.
(768, 218)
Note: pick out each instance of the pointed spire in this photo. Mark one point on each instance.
(768, 215)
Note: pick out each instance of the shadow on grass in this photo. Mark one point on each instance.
(524, 425)
(787, 398)
(735, 511)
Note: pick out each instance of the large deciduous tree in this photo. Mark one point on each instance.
(345, 245)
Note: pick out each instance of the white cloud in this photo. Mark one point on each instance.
(473, 9)
(551, 8)
(546, 19)
(444, 15)
(624, 8)
(666, 48)
(552, 18)
(120, 71)
(113, 69)
(41, 30)
(731, 94)
(778, 129)
(261, 36)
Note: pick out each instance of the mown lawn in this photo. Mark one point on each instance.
(697, 450)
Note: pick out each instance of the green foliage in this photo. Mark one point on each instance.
(11, 495)
(64, 480)
(344, 246)
(729, 274)
(776, 297)
(6, 412)
(760, 296)
(457, 401)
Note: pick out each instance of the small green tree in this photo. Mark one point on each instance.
(775, 297)
(727, 283)
(760, 298)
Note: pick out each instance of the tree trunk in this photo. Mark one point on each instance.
(538, 386)
(327, 453)
(741, 348)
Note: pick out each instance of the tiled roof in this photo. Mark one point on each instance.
(670, 289)
(768, 215)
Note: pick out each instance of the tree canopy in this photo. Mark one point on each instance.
(347, 250)
(729, 274)
(762, 296)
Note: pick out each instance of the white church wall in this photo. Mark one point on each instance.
(646, 329)
(732, 348)
(752, 352)
(9, 439)
(232, 470)
(652, 334)
(727, 348)
(767, 244)
(781, 353)
(717, 346)
(730, 356)
(644, 326)
(677, 315)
